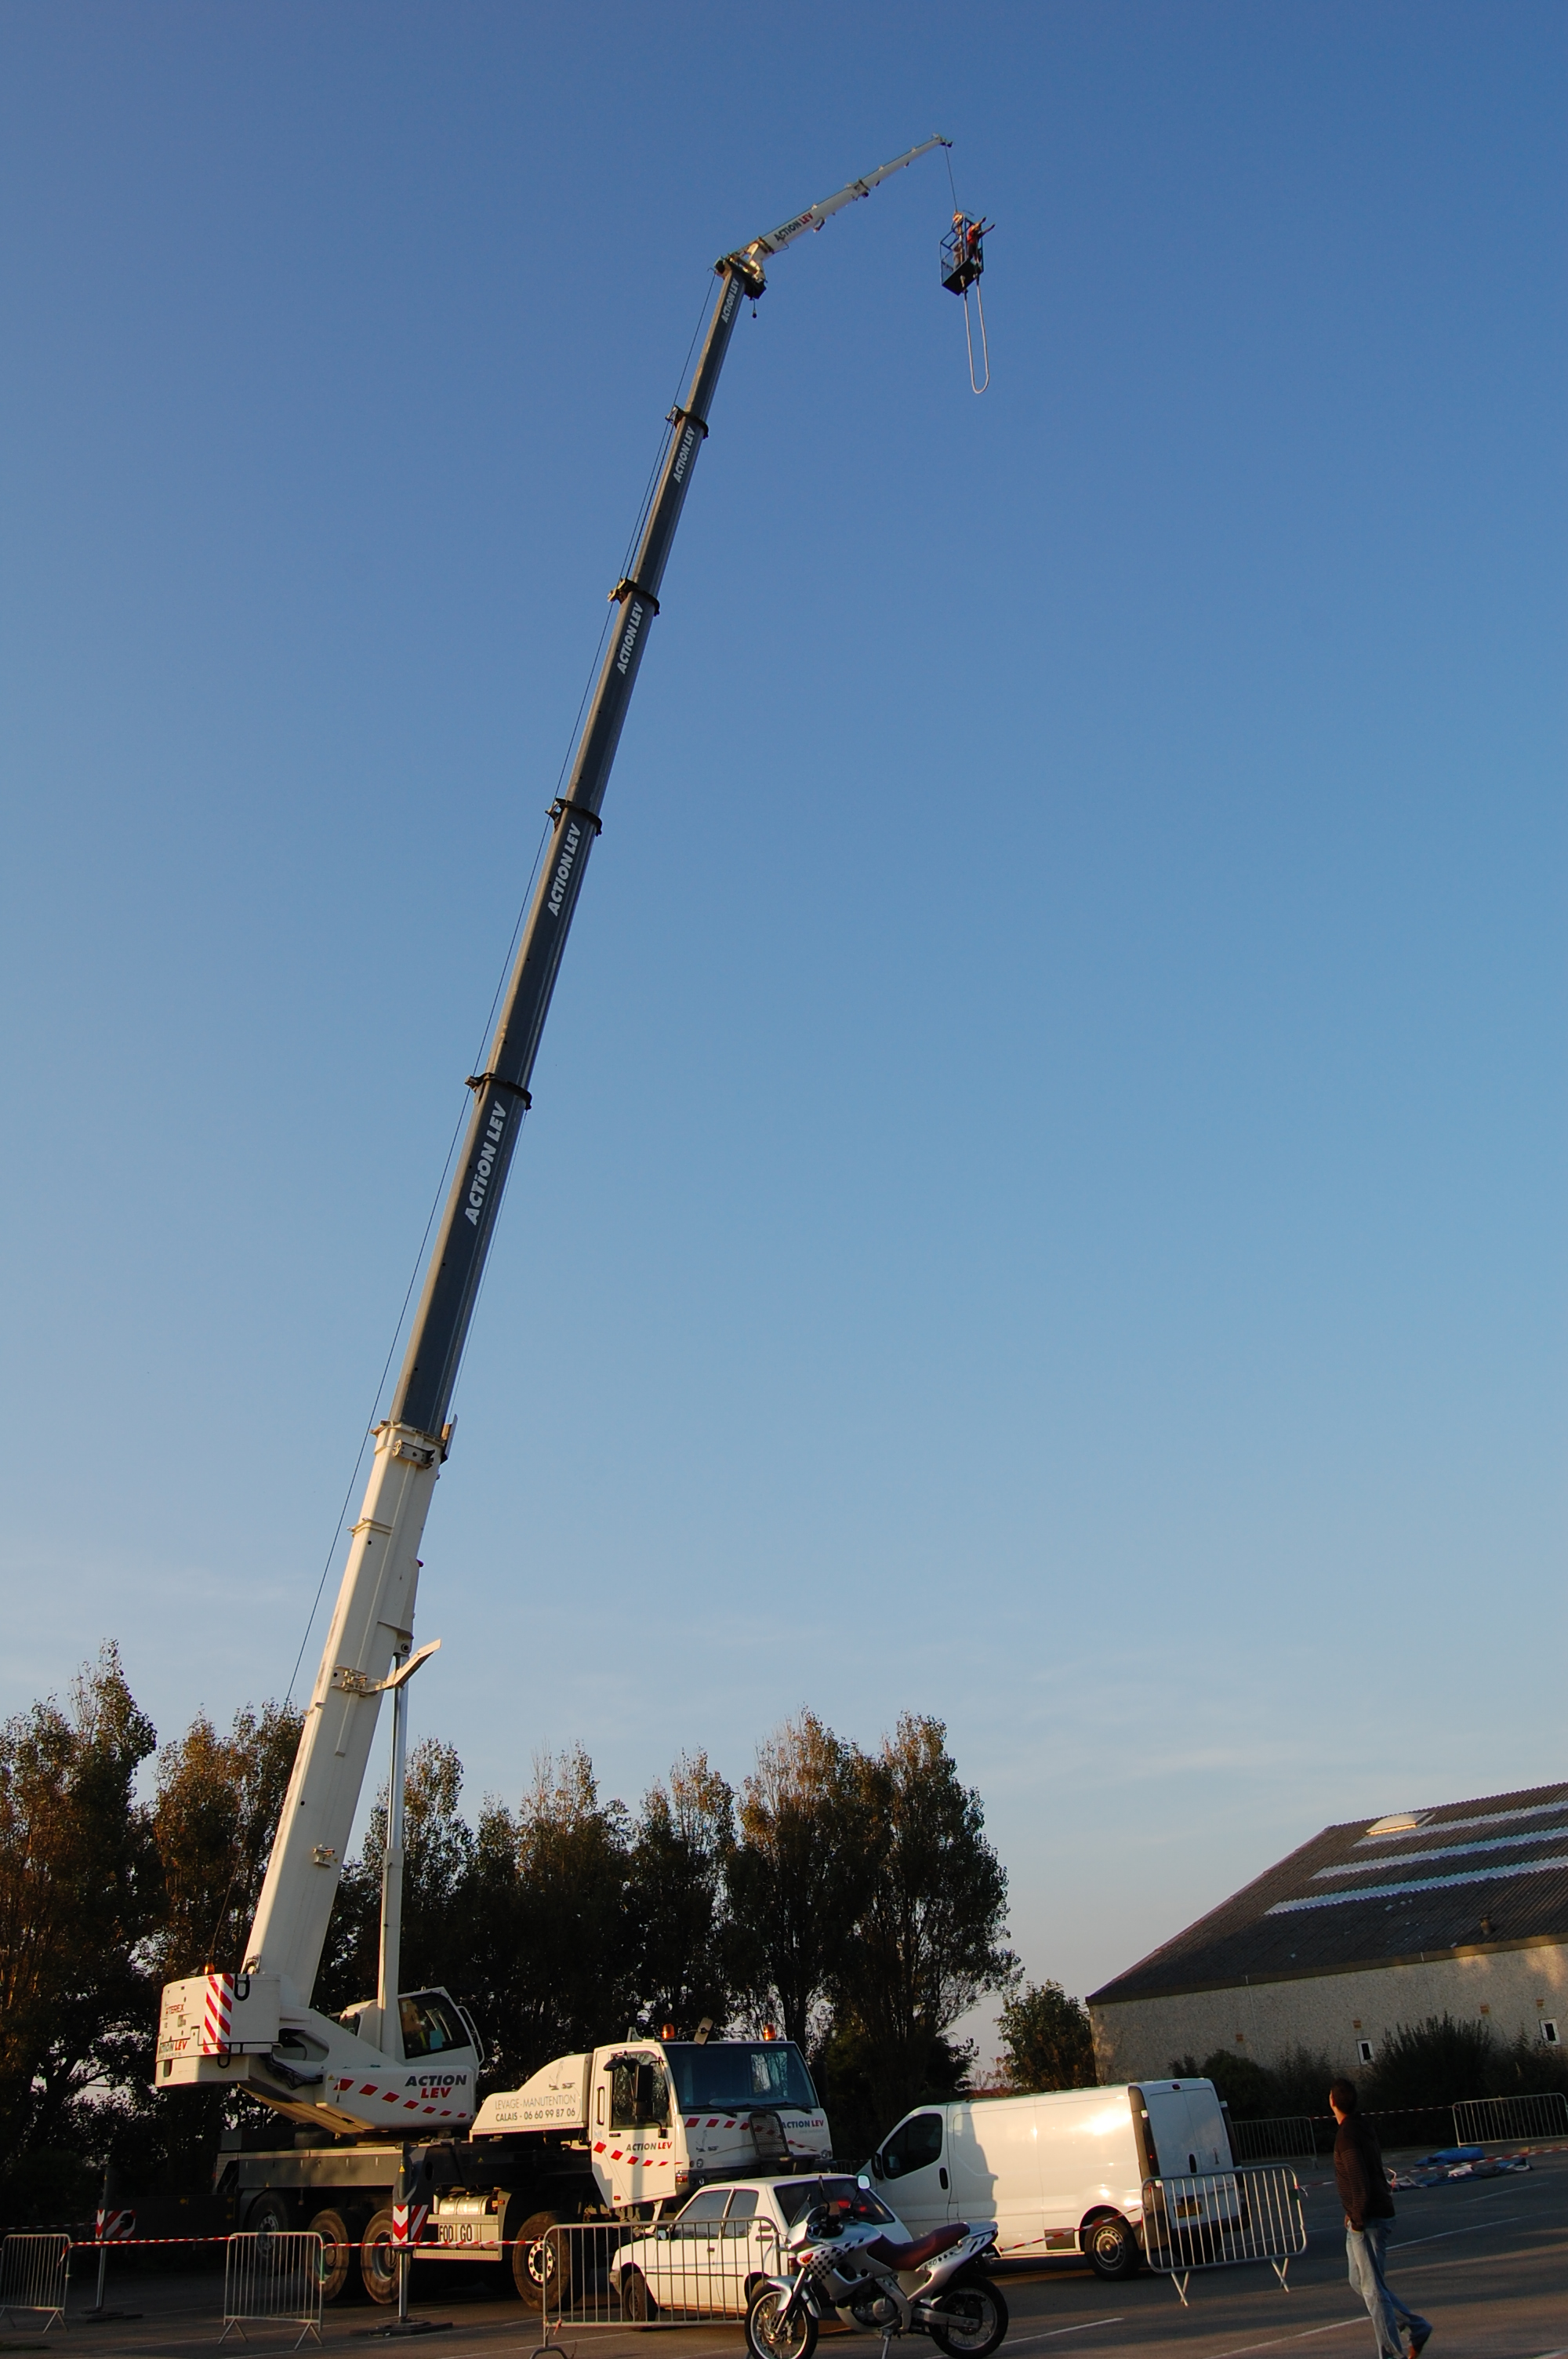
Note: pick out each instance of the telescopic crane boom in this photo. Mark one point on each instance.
(258, 2027)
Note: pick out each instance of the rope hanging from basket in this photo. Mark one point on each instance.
(963, 262)
(969, 341)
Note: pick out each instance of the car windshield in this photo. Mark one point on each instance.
(797, 2195)
(740, 2072)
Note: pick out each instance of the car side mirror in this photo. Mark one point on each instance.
(661, 2235)
(877, 2170)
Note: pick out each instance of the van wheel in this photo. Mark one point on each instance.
(378, 2259)
(337, 2254)
(1110, 2247)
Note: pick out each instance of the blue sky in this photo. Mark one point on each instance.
(1043, 1197)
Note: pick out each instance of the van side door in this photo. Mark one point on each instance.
(914, 2174)
(994, 2165)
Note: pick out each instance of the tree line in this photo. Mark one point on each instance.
(848, 1897)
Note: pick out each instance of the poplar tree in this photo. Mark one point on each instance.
(80, 1894)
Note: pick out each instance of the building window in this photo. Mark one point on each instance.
(1364, 2050)
(1549, 2030)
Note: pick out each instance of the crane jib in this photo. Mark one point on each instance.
(436, 1342)
(372, 1621)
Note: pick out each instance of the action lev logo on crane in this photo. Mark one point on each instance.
(629, 636)
(562, 878)
(683, 461)
(486, 1163)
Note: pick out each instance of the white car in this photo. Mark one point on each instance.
(705, 2262)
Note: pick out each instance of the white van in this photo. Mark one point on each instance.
(1061, 2173)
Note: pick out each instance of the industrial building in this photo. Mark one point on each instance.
(1462, 1909)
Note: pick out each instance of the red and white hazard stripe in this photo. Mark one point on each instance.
(114, 2226)
(217, 2016)
(408, 2223)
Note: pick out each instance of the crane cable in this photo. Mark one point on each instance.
(979, 299)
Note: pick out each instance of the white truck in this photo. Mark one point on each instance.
(627, 2131)
(1059, 2173)
(364, 2087)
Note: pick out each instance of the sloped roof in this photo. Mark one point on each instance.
(1477, 1874)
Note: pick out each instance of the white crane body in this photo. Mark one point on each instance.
(408, 2071)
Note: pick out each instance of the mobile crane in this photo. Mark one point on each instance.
(405, 2065)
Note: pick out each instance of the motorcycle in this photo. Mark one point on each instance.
(851, 2271)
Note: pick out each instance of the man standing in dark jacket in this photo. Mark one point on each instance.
(1363, 2187)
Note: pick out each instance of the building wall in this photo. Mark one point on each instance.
(1514, 1989)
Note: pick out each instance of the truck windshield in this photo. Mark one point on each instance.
(740, 2072)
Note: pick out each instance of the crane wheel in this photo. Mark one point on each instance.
(269, 2215)
(337, 2273)
(378, 2262)
(541, 2264)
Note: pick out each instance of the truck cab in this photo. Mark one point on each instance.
(657, 2118)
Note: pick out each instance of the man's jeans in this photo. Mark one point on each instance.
(1365, 2248)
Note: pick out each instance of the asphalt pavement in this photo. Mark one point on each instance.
(1485, 2260)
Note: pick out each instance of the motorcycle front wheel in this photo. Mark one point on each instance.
(974, 2320)
(769, 2336)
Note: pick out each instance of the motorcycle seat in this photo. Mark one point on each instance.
(914, 2255)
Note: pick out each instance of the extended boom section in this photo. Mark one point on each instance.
(375, 1608)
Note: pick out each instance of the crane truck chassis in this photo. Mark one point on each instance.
(624, 2132)
(386, 2093)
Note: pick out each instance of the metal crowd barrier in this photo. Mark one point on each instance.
(1282, 2137)
(632, 2273)
(1499, 2121)
(35, 2271)
(1216, 2218)
(274, 2276)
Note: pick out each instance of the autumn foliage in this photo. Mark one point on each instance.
(849, 1897)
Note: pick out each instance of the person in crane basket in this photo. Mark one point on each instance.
(964, 253)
